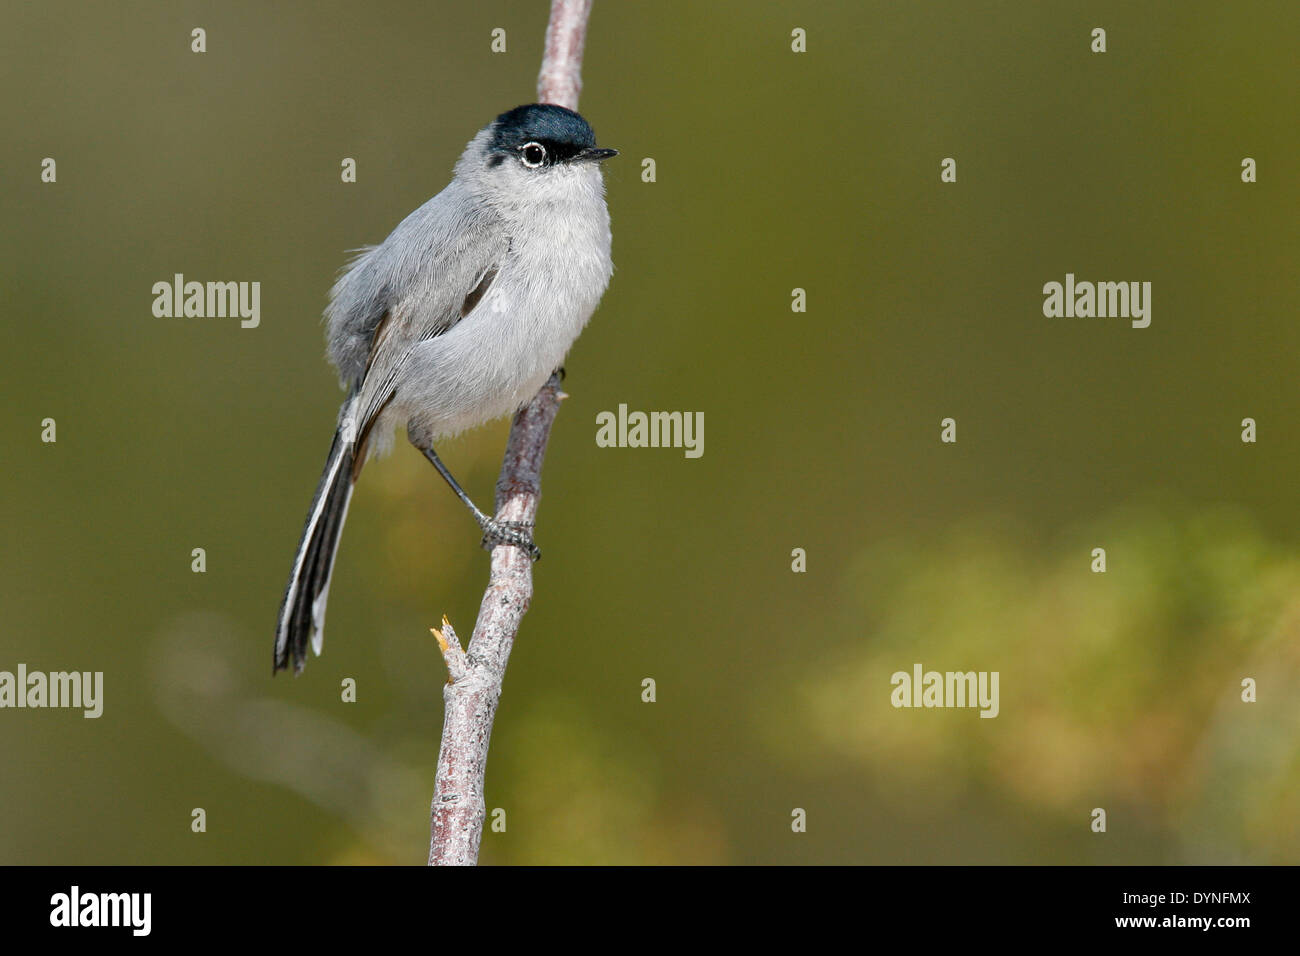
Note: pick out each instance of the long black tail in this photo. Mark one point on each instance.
(302, 610)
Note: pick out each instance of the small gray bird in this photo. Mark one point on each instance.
(455, 319)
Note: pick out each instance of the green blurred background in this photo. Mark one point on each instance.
(775, 170)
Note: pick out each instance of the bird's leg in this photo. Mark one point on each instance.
(494, 532)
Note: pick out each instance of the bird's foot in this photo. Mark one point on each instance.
(517, 533)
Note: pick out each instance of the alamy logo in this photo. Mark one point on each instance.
(75, 689)
(75, 908)
(951, 689)
(213, 300)
(651, 430)
(1103, 300)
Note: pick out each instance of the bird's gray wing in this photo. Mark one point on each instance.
(430, 273)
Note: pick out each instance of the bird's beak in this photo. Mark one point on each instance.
(594, 154)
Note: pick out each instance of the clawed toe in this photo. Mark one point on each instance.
(516, 533)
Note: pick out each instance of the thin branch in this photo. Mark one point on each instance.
(560, 80)
(476, 674)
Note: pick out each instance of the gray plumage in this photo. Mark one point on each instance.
(457, 318)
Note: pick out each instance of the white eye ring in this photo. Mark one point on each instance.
(535, 160)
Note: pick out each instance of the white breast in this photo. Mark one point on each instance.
(499, 355)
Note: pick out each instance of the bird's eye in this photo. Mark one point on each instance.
(533, 155)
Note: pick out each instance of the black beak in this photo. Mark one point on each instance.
(593, 154)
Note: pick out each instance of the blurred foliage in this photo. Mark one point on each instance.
(1119, 690)
(774, 171)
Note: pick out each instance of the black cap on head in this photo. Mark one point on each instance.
(561, 131)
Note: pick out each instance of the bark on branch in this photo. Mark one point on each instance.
(476, 673)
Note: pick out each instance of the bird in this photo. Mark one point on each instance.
(457, 318)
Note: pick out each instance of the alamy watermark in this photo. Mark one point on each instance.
(212, 300)
(1102, 300)
(923, 688)
(651, 430)
(75, 908)
(80, 690)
